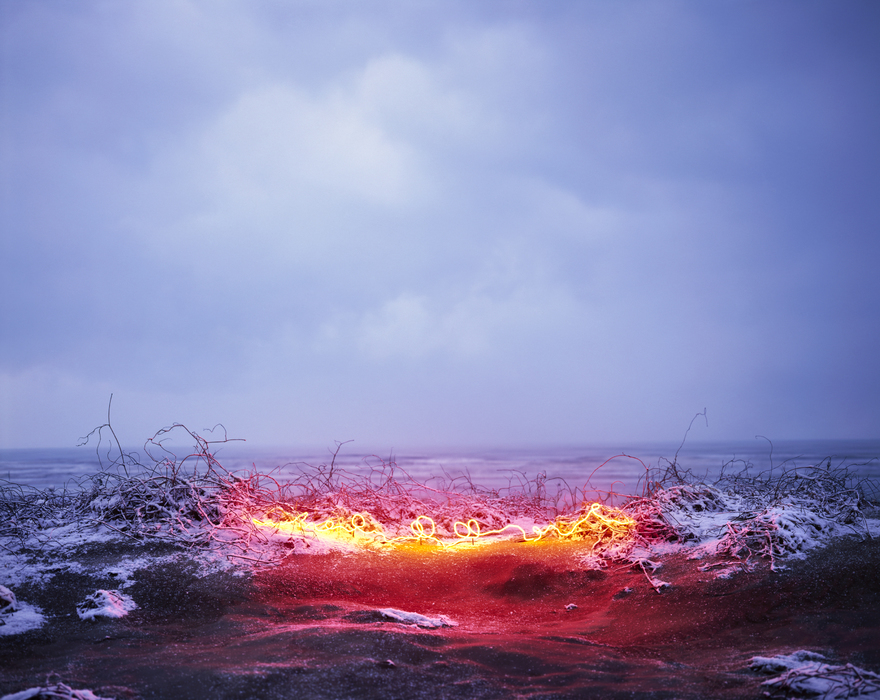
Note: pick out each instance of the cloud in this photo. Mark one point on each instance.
(480, 325)
(278, 144)
(606, 216)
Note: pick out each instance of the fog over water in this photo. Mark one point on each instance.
(495, 468)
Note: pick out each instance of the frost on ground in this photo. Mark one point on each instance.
(743, 519)
(108, 604)
(804, 674)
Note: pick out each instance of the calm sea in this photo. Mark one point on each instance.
(495, 468)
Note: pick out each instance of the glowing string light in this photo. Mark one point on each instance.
(598, 521)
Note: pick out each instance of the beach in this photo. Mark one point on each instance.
(180, 579)
(312, 628)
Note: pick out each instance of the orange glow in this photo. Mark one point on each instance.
(598, 522)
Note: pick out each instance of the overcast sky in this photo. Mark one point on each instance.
(442, 223)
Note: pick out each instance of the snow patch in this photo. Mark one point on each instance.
(60, 691)
(123, 570)
(804, 674)
(24, 618)
(8, 602)
(411, 618)
(101, 603)
(783, 662)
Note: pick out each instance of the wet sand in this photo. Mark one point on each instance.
(310, 628)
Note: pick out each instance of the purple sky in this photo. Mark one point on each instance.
(440, 223)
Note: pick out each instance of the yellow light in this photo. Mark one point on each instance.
(601, 523)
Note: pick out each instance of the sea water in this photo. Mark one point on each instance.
(619, 468)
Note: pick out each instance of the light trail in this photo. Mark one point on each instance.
(604, 524)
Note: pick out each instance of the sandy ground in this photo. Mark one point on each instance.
(312, 627)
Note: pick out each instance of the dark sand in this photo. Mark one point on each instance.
(309, 629)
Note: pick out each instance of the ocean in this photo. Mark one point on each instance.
(496, 468)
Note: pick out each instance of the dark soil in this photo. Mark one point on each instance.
(309, 629)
